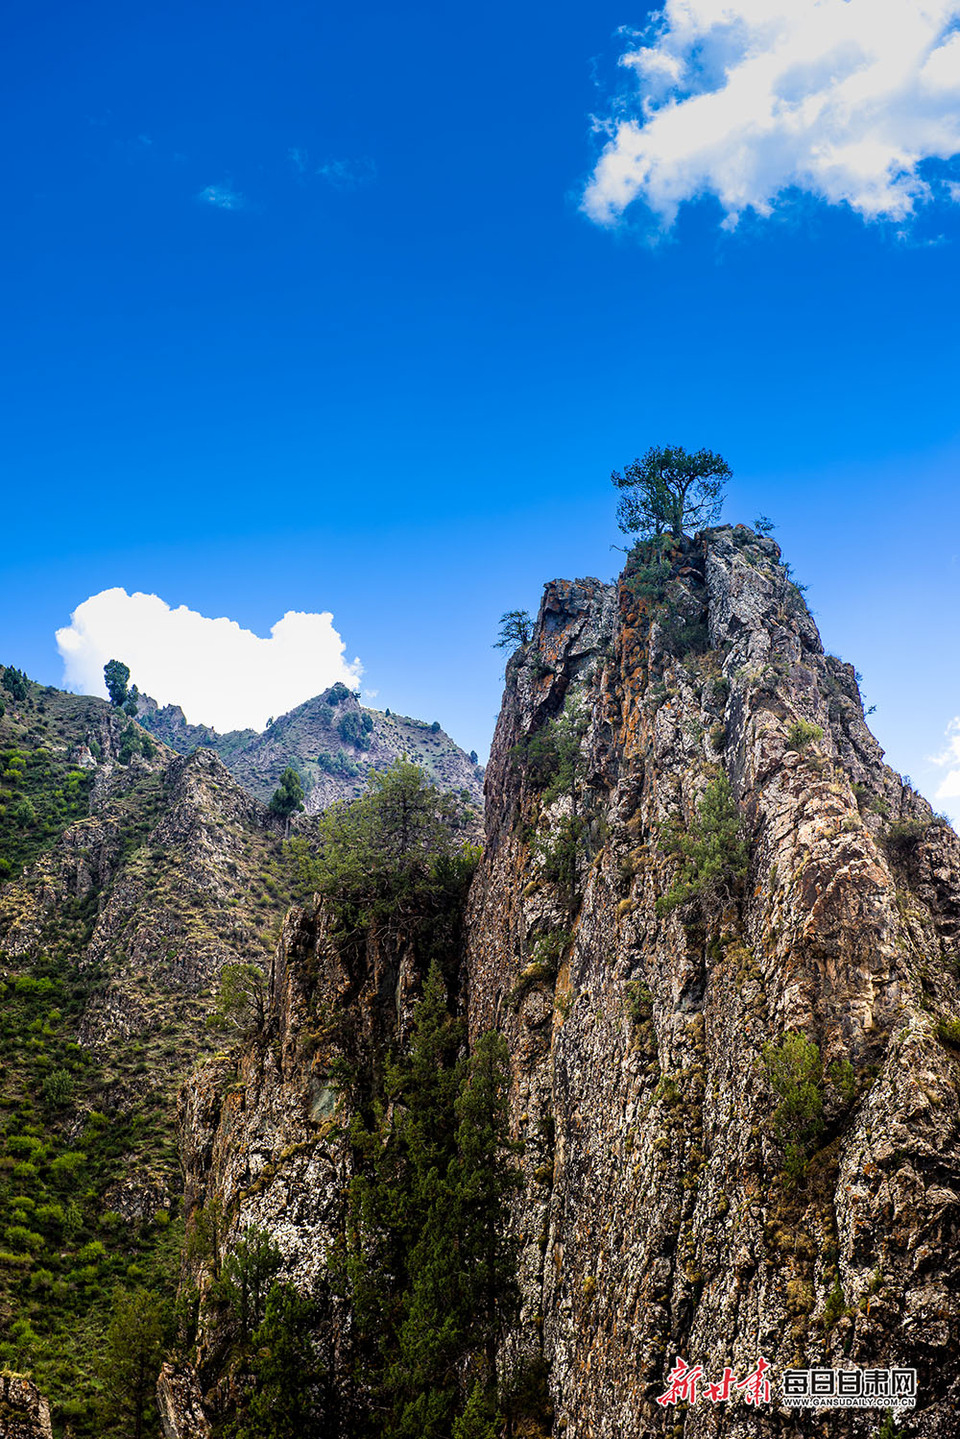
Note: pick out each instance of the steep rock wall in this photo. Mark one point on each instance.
(656, 1219)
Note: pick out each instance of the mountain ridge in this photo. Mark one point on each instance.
(331, 740)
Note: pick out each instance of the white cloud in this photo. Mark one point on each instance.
(220, 674)
(747, 99)
(950, 785)
(348, 174)
(222, 197)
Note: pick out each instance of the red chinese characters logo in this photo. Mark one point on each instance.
(683, 1382)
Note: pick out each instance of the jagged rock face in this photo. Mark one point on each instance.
(264, 1130)
(656, 1218)
(179, 1403)
(24, 1413)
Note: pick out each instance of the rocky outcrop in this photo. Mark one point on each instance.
(179, 1403)
(662, 1213)
(24, 1413)
(332, 741)
(657, 1219)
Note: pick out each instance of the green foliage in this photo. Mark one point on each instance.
(135, 740)
(649, 573)
(429, 1265)
(57, 1088)
(670, 490)
(480, 1419)
(516, 628)
(764, 526)
(549, 949)
(713, 857)
(550, 758)
(204, 1244)
(116, 676)
(15, 683)
(239, 1006)
(40, 795)
(55, 1287)
(802, 733)
(130, 1361)
(888, 1429)
(392, 858)
(650, 577)
(638, 1002)
(902, 836)
(835, 1306)
(287, 798)
(246, 1274)
(339, 764)
(304, 867)
(288, 1380)
(795, 1073)
(948, 1032)
(559, 852)
(354, 729)
(337, 693)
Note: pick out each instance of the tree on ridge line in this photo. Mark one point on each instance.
(669, 491)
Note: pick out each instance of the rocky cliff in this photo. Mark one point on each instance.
(658, 1219)
(722, 939)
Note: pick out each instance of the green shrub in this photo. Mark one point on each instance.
(339, 764)
(902, 836)
(57, 1088)
(795, 1073)
(638, 1002)
(549, 949)
(353, 731)
(23, 1240)
(835, 1306)
(948, 1032)
(802, 733)
(713, 857)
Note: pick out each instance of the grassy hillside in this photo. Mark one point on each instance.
(128, 876)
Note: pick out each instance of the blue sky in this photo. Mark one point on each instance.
(303, 311)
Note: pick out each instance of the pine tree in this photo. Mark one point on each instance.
(287, 1374)
(486, 1180)
(245, 1278)
(287, 798)
(670, 490)
(116, 676)
(130, 1361)
(430, 1269)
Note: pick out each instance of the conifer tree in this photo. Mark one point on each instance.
(287, 798)
(670, 490)
(287, 1374)
(130, 1361)
(116, 676)
(486, 1180)
(430, 1269)
(245, 1278)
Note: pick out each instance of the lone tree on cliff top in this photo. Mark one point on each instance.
(670, 491)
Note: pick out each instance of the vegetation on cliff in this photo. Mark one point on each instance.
(428, 1263)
